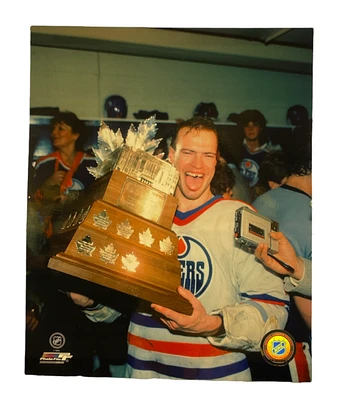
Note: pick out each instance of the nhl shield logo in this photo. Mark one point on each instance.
(278, 347)
(57, 340)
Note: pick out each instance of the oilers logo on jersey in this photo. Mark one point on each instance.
(196, 265)
(249, 169)
(76, 185)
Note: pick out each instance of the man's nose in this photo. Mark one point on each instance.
(198, 160)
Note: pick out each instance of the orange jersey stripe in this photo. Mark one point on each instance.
(278, 303)
(180, 349)
(301, 364)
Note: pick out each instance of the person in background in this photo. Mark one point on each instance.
(291, 203)
(256, 145)
(273, 172)
(235, 299)
(223, 181)
(63, 173)
(301, 126)
(59, 180)
(241, 189)
(59, 177)
(291, 206)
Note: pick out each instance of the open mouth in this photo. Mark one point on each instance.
(193, 175)
(194, 181)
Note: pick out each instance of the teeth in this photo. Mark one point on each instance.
(194, 175)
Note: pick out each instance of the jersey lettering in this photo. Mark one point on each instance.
(196, 265)
(192, 276)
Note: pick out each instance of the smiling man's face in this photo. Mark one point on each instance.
(195, 157)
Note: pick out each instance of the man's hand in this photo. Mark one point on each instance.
(81, 300)
(31, 320)
(199, 323)
(286, 253)
(56, 178)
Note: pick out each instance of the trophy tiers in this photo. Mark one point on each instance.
(123, 241)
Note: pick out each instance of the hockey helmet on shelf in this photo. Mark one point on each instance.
(116, 107)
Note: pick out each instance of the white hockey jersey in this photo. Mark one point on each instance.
(228, 281)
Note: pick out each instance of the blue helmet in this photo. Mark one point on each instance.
(206, 110)
(116, 107)
(297, 115)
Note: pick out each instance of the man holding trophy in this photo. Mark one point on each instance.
(235, 300)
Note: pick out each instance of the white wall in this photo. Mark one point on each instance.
(80, 81)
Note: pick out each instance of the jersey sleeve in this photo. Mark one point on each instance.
(301, 286)
(101, 313)
(262, 304)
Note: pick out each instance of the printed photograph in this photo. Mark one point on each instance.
(169, 204)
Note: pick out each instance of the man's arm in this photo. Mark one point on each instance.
(94, 311)
(234, 327)
(263, 307)
(303, 285)
(297, 282)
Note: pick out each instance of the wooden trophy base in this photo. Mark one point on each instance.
(124, 251)
(169, 298)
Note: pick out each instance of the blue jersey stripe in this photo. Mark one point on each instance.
(146, 320)
(266, 297)
(259, 308)
(184, 215)
(188, 373)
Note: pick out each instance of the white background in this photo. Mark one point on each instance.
(15, 61)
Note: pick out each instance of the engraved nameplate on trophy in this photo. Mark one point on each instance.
(122, 238)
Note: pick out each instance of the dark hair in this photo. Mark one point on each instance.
(78, 126)
(198, 122)
(299, 155)
(223, 179)
(273, 168)
(253, 116)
